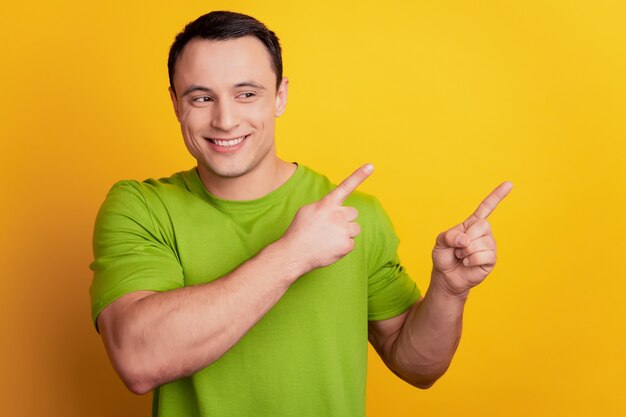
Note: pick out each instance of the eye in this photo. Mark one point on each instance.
(202, 99)
(246, 95)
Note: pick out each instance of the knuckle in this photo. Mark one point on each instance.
(349, 213)
(449, 236)
(337, 216)
(347, 246)
(486, 258)
(324, 202)
(479, 223)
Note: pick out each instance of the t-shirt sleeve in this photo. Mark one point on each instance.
(132, 250)
(390, 289)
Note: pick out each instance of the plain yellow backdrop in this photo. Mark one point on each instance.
(447, 99)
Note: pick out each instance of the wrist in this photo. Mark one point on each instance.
(291, 264)
(440, 287)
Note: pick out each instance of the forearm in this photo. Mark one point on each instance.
(154, 338)
(429, 337)
(169, 335)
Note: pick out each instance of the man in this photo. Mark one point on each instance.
(246, 286)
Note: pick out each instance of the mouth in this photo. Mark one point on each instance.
(227, 144)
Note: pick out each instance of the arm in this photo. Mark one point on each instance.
(156, 337)
(153, 338)
(419, 344)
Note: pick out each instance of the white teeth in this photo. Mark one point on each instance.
(227, 143)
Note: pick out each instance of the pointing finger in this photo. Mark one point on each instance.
(480, 227)
(347, 186)
(489, 204)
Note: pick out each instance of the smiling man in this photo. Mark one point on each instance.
(248, 285)
(228, 100)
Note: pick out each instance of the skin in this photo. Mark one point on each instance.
(227, 90)
(419, 345)
(223, 93)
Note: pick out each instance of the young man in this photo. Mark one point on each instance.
(246, 286)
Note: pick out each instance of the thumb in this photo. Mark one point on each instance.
(452, 238)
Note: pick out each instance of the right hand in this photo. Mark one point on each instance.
(323, 232)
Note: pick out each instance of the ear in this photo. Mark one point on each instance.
(281, 97)
(174, 102)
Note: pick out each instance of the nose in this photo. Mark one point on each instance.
(224, 116)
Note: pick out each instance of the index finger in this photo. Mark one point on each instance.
(488, 205)
(347, 186)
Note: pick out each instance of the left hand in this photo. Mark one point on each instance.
(464, 255)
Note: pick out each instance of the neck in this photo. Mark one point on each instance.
(260, 181)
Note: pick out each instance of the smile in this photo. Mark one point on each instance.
(227, 143)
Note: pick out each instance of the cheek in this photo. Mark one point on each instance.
(191, 119)
(263, 110)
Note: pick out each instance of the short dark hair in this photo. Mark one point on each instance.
(223, 25)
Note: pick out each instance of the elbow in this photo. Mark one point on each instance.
(423, 384)
(135, 379)
(138, 387)
(131, 363)
(128, 350)
(420, 381)
(419, 374)
(131, 367)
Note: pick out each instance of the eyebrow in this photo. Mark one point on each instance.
(250, 84)
(194, 88)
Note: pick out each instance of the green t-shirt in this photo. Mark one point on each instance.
(308, 355)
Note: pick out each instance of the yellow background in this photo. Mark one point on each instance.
(446, 98)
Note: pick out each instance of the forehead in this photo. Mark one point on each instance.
(223, 63)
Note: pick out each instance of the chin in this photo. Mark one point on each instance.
(235, 166)
(226, 171)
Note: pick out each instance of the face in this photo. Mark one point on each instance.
(226, 102)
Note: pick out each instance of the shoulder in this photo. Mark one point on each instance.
(133, 193)
(141, 203)
(179, 181)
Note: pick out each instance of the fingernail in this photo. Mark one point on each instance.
(369, 168)
(465, 261)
